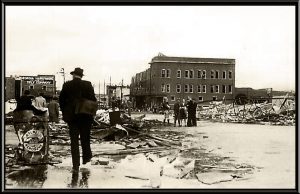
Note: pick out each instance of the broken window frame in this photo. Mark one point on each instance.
(224, 75)
(163, 88)
(191, 74)
(212, 74)
(168, 88)
(178, 73)
(178, 87)
(191, 89)
(163, 73)
(186, 74)
(186, 88)
(199, 87)
(203, 89)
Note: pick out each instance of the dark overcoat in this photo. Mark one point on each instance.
(71, 93)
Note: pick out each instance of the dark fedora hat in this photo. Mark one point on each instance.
(77, 71)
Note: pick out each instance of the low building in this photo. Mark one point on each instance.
(204, 79)
(40, 83)
(259, 95)
(117, 92)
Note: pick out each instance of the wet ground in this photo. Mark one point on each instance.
(212, 155)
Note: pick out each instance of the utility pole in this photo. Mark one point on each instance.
(122, 90)
(62, 71)
(99, 92)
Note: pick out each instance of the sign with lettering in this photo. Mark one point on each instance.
(38, 79)
(33, 140)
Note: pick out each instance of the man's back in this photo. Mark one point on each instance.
(71, 91)
(40, 102)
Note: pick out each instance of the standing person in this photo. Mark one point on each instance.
(166, 108)
(79, 124)
(182, 113)
(129, 106)
(176, 112)
(192, 107)
(40, 101)
(53, 108)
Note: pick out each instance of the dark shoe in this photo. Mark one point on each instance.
(86, 160)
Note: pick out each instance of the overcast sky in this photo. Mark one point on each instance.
(120, 41)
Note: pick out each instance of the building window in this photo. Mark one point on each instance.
(168, 73)
(204, 74)
(223, 89)
(199, 74)
(191, 74)
(217, 74)
(212, 74)
(224, 75)
(186, 75)
(211, 89)
(199, 88)
(204, 89)
(162, 87)
(217, 88)
(172, 98)
(230, 88)
(178, 88)
(214, 98)
(179, 73)
(168, 88)
(44, 88)
(31, 87)
(230, 74)
(191, 88)
(200, 98)
(186, 88)
(163, 73)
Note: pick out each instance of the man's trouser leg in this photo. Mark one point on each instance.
(85, 130)
(194, 121)
(74, 134)
(189, 121)
(85, 143)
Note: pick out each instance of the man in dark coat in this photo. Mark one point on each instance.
(192, 107)
(79, 124)
(176, 112)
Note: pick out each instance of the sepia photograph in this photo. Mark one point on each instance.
(149, 97)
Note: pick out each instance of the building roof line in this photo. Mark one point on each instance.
(201, 62)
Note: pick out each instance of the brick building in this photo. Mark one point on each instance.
(39, 83)
(205, 79)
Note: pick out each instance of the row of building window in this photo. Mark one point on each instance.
(201, 74)
(200, 98)
(31, 87)
(189, 88)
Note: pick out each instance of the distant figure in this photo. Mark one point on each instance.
(79, 124)
(53, 108)
(40, 101)
(166, 108)
(25, 103)
(129, 106)
(176, 112)
(182, 113)
(192, 107)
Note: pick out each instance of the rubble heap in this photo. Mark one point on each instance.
(275, 113)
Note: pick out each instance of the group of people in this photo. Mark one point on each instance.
(39, 106)
(182, 111)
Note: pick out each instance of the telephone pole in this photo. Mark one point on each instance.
(122, 90)
(99, 92)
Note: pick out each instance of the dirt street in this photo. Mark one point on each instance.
(212, 155)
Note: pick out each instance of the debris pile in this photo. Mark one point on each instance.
(275, 113)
